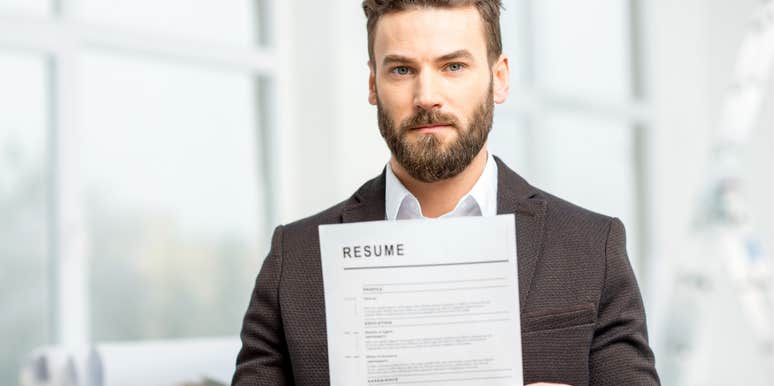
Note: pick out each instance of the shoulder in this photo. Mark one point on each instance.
(565, 225)
(574, 225)
(574, 233)
(559, 209)
(559, 213)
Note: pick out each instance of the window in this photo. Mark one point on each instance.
(173, 200)
(25, 280)
(136, 168)
(573, 125)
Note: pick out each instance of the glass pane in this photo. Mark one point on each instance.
(26, 6)
(582, 48)
(23, 210)
(229, 22)
(589, 161)
(174, 196)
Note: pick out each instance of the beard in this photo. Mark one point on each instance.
(427, 159)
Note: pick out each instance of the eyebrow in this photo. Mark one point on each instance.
(459, 54)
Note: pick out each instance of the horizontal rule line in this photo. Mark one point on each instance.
(429, 265)
(448, 380)
(451, 323)
(419, 373)
(436, 290)
(431, 282)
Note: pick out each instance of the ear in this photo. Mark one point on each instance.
(501, 77)
(371, 84)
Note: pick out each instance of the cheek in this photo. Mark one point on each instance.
(470, 89)
(468, 98)
(397, 102)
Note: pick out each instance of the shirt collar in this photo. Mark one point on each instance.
(483, 195)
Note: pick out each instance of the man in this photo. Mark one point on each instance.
(437, 69)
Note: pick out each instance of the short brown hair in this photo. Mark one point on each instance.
(488, 9)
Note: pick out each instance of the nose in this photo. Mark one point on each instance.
(427, 95)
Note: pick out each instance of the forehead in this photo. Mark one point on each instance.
(426, 33)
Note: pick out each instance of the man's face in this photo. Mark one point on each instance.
(434, 88)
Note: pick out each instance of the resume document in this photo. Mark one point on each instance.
(422, 302)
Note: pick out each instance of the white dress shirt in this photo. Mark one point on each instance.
(400, 204)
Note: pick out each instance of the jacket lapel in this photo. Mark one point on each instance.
(515, 195)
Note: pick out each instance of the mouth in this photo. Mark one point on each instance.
(431, 128)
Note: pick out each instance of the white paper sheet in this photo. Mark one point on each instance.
(422, 302)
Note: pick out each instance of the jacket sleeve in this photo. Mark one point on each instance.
(263, 359)
(620, 354)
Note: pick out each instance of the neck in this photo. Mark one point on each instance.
(437, 198)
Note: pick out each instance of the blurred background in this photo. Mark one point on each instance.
(148, 148)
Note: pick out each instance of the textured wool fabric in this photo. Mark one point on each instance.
(582, 318)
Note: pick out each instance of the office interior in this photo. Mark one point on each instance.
(149, 148)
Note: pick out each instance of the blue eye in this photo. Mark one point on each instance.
(454, 67)
(402, 70)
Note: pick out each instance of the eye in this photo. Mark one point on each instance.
(455, 67)
(401, 70)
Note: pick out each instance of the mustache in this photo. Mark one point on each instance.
(425, 118)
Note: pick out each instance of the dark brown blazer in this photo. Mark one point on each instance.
(582, 318)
